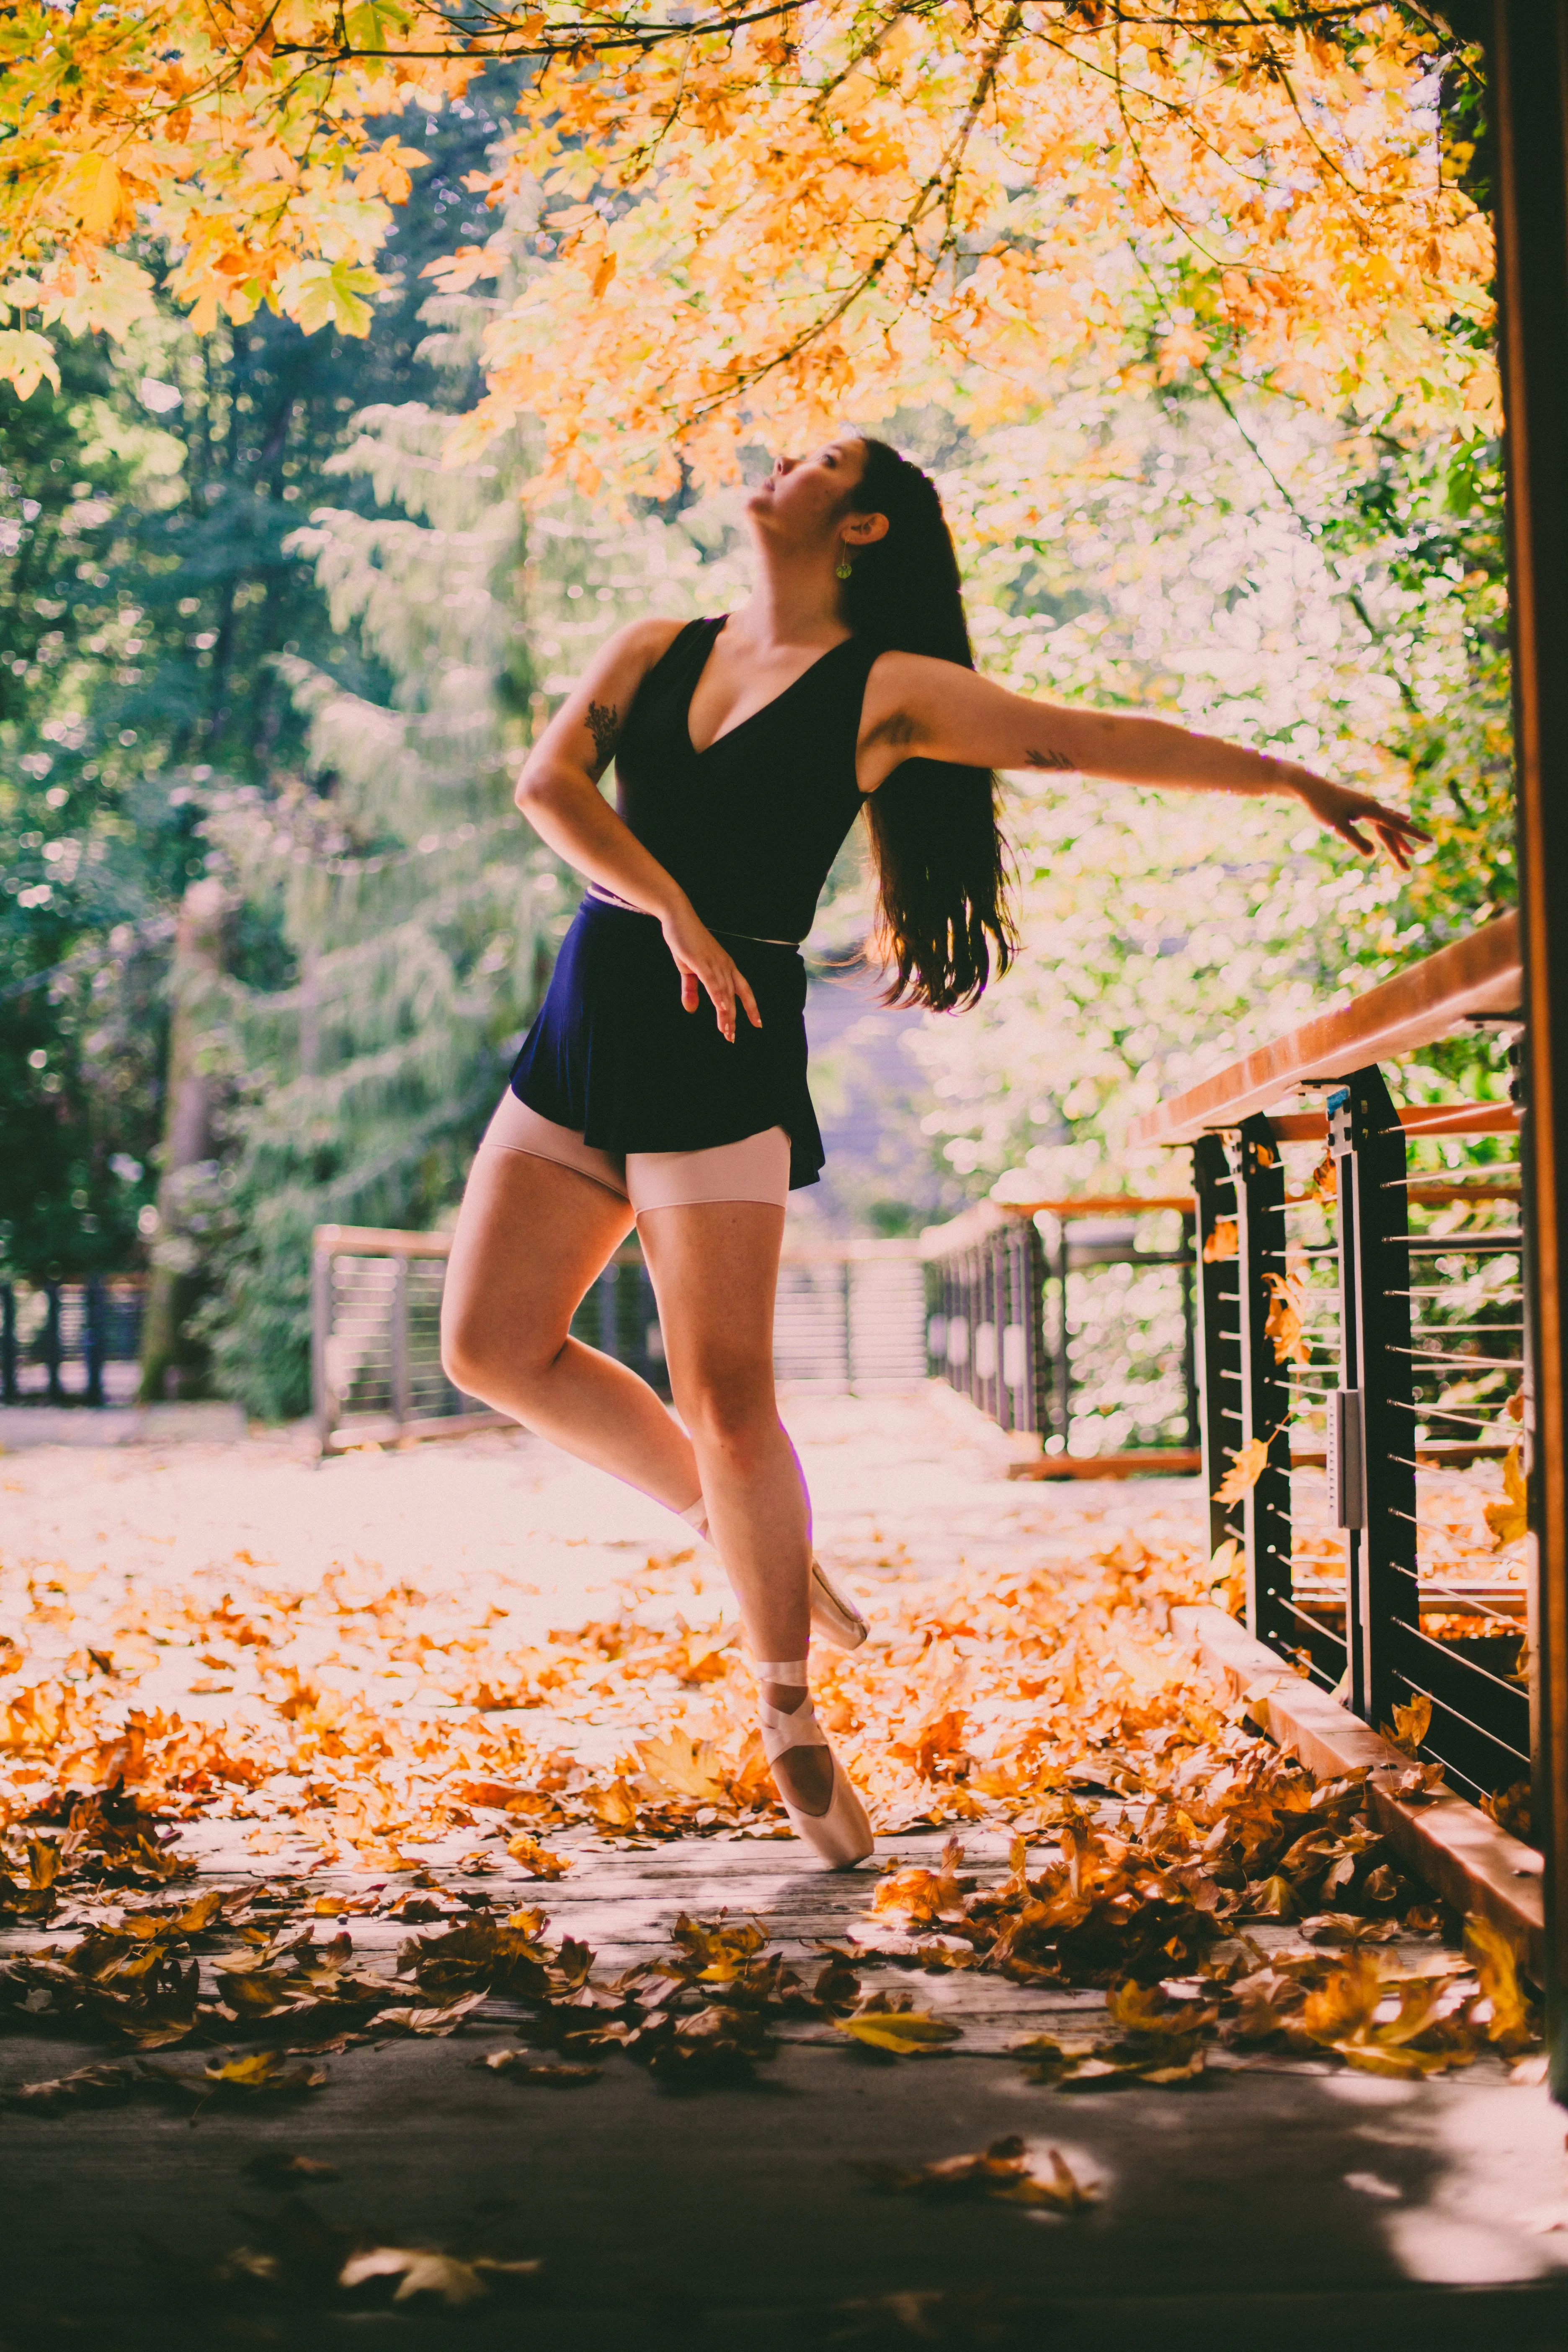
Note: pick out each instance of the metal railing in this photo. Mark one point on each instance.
(1361, 1349)
(65, 1342)
(1009, 1326)
(849, 1315)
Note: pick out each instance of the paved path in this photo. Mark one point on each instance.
(1285, 2200)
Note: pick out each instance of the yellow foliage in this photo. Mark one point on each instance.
(1284, 1324)
(1245, 1471)
(749, 227)
(1510, 1519)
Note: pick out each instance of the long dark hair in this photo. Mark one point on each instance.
(941, 862)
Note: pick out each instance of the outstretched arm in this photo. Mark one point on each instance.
(557, 791)
(918, 708)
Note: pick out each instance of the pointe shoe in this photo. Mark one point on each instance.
(842, 1834)
(833, 1614)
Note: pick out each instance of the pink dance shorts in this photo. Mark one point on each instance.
(755, 1168)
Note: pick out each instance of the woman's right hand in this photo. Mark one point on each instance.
(703, 965)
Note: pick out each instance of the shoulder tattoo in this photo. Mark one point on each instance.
(603, 724)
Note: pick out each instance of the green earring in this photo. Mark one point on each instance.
(843, 569)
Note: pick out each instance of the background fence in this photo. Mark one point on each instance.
(850, 1315)
(1075, 1322)
(72, 1342)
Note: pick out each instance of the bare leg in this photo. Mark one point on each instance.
(531, 1238)
(715, 1269)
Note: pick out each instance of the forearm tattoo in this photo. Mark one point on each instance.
(603, 724)
(1057, 760)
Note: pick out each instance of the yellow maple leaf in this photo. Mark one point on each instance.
(1246, 1467)
(1497, 1967)
(1410, 1724)
(1510, 1519)
(536, 1859)
(678, 1763)
(90, 185)
(899, 2033)
(1222, 1242)
(1283, 1323)
(27, 358)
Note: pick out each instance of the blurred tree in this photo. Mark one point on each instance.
(1334, 596)
(418, 913)
(147, 596)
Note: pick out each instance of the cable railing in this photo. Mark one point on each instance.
(850, 1315)
(1362, 1362)
(1024, 1320)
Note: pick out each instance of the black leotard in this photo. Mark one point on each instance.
(749, 828)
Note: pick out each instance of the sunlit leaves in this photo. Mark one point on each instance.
(1510, 2023)
(783, 223)
(1510, 1518)
(332, 293)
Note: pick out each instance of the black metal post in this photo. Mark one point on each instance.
(8, 1387)
(1220, 1331)
(1063, 1367)
(1258, 1179)
(1190, 1329)
(52, 1341)
(991, 1266)
(1376, 1422)
(1040, 1415)
(94, 1337)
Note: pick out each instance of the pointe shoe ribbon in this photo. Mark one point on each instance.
(841, 1835)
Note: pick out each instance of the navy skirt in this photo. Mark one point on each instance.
(613, 1056)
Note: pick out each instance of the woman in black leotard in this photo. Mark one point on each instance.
(665, 1079)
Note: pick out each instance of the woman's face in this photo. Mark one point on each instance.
(801, 503)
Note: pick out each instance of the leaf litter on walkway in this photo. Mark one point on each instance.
(1159, 1846)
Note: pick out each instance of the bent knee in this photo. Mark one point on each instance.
(465, 1359)
(483, 1360)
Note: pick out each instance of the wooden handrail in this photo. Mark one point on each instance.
(1098, 1204)
(1416, 1118)
(379, 1240)
(1480, 976)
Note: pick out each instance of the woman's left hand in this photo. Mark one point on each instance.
(1343, 811)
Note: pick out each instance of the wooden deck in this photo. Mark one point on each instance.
(1278, 2195)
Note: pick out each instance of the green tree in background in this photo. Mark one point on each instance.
(418, 914)
(146, 592)
(1332, 595)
